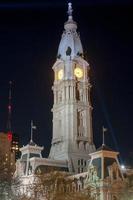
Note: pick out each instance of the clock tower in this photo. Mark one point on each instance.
(72, 138)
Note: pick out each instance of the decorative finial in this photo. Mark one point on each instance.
(104, 130)
(70, 10)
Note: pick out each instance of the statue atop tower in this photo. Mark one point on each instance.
(70, 10)
(72, 138)
(70, 38)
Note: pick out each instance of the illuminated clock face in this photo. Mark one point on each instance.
(78, 72)
(60, 74)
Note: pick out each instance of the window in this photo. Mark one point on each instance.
(24, 157)
(77, 92)
(34, 155)
(81, 165)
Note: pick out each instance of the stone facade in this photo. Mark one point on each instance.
(72, 138)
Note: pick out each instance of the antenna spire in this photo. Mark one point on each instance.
(70, 11)
(9, 127)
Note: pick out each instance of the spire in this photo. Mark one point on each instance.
(9, 107)
(70, 11)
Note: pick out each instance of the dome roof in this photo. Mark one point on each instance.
(70, 44)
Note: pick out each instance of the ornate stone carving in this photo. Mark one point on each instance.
(114, 172)
(81, 128)
(92, 177)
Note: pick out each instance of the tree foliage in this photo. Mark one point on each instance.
(55, 186)
(5, 178)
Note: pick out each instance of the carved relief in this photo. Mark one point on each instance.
(81, 123)
(114, 172)
(81, 145)
(81, 94)
(87, 146)
(59, 96)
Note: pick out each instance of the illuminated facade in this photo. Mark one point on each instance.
(72, 138)
(73, 149)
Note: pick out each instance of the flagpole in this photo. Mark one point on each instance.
(103, 137)
(104, 130)
(31, 132)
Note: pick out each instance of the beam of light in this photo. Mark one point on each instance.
(29, 5)
(106, 113)
(60, 3)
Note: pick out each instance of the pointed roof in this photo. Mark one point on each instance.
(104, 147)
(31, 143)
(31, 148)
(70, 38)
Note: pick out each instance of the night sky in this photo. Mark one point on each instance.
(29, 37)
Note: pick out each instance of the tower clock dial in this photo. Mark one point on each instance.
(60, 74)
(78, 72)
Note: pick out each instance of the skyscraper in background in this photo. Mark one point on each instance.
(7, 156)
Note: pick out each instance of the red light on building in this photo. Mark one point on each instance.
(9, 136)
